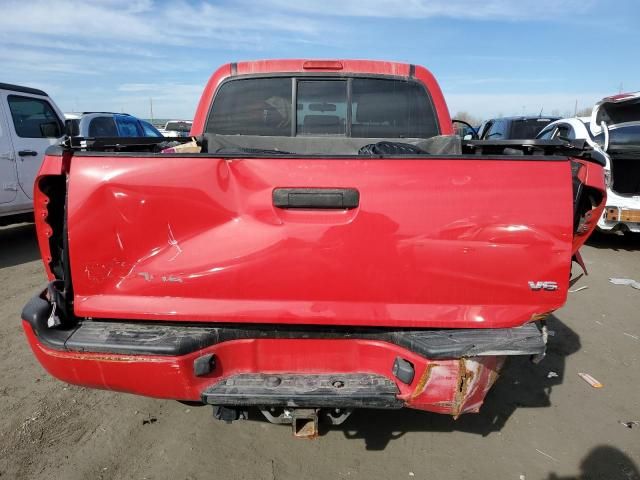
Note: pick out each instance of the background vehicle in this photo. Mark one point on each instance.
(620, 139)
(271, 291)
(107, 124)
(513, 128)
(29, 123)
(177, 128)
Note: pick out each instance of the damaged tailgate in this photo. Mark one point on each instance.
(464, 242)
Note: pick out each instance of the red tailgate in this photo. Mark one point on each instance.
(433, 242)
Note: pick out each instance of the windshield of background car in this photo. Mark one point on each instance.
(128, 126)
(528, 128)
(102, 127)
(547, 134)
(621, 136)
(352, 107)
(149, 130)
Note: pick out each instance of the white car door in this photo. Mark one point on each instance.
(35, 124)
(8, 174)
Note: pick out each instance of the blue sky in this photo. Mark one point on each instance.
(491, 57)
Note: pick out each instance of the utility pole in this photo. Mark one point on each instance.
(575, 109)
(151, 108)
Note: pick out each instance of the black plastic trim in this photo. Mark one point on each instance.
(21, 89)
(36, 312)
(324, 156)
(149, 338)
(354, 390)
(316, 198)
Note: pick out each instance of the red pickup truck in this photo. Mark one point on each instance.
(330, 245)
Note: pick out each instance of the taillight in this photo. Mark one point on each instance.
(322, 65)
(589, 196)
(49, 203)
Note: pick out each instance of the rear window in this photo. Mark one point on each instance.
(321, 107)
(128, 127)
(257, 106)
(358, 107)
(178, 126)
(102, 127)
(528, 129)
(621, 136)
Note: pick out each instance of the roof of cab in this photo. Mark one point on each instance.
(21, 89)
(310, 65)
(336, 67)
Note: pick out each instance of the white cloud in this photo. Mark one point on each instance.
(178, 23)
(75, 37)
(150, 47)
(469, 9)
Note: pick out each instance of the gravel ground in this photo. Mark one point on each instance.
(535, 424)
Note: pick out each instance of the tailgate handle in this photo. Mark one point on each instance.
(320, 198)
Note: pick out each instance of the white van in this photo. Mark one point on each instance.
(29, 123)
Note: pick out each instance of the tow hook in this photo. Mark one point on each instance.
(229, 414)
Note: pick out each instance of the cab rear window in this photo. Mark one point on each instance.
(352, 107)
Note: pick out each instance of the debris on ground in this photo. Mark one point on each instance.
(590, 380)
(631, 424)
(635, 337)
(584, 287)
(552, 375)
(546, 455)
(149, 420)
(625, 281)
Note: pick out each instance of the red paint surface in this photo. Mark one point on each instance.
(173, 378)
(434, 242)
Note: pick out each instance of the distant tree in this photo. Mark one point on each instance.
(555, 112)
(584, 112)
(467, 117)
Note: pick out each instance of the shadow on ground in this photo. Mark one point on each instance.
(522, 384)
(604, 462)
(18, 245)
(629, 241)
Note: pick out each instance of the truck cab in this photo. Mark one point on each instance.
(30, 122)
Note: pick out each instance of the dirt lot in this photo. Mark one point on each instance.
(531, 426)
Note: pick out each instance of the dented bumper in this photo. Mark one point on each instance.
(444, 371)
